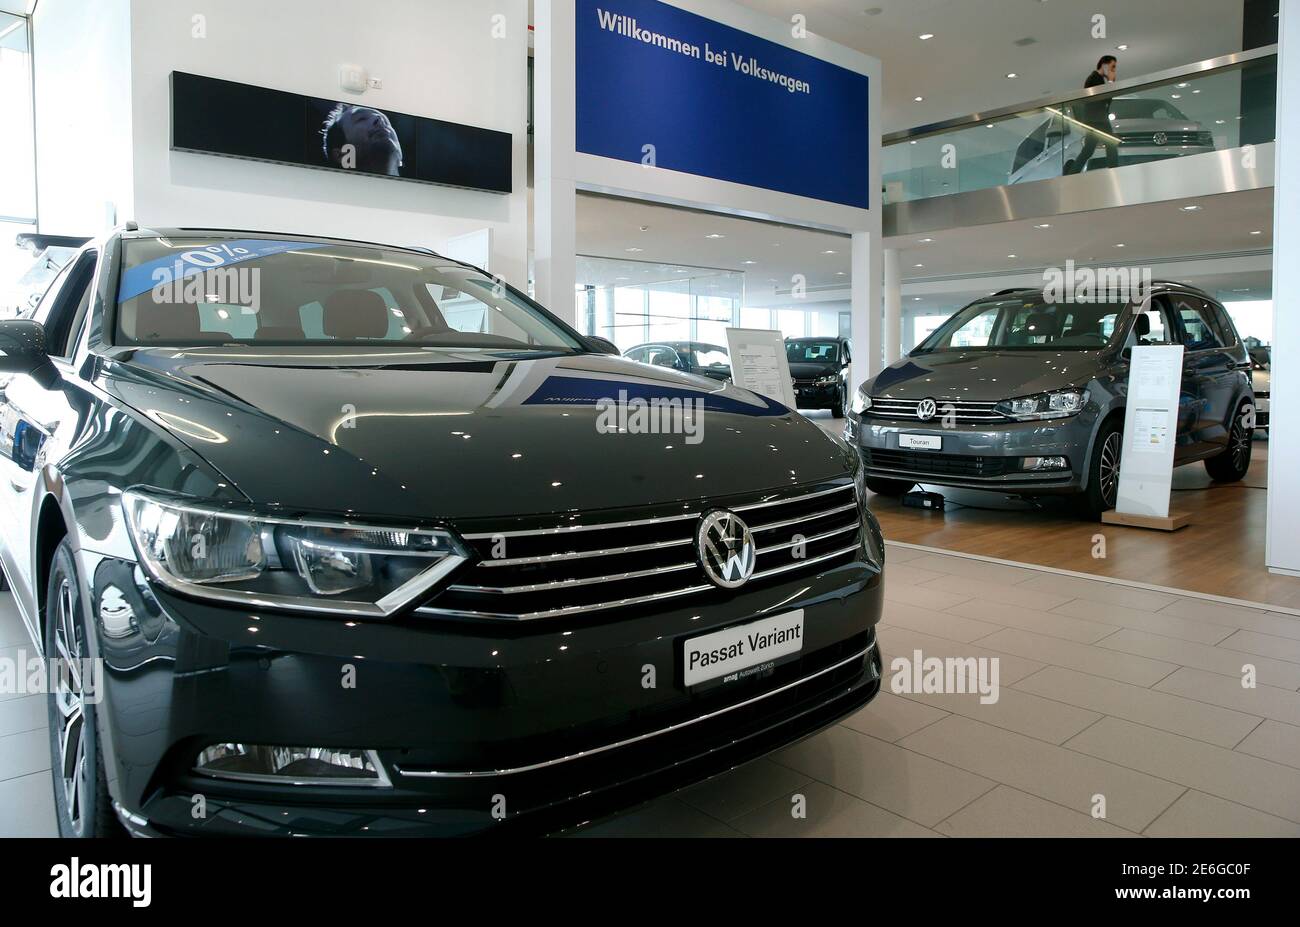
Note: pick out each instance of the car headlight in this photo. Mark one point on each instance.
(1058, 404)
(827, 381)
(861, 401)
(212, 552)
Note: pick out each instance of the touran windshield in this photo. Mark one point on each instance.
(1025, 323)
(812, 352)
(183, 292)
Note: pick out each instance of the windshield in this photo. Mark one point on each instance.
(199, 291)
(812, 352)
(1145, 109)
(1025, 322)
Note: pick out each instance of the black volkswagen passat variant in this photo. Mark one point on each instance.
(327, 537)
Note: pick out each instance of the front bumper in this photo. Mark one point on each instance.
(808, 395)
(479, 726)
(977, 456)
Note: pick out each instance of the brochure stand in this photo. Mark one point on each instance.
(1150, 426)
(759, 363)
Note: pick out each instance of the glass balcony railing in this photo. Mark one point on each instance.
(1207, 106)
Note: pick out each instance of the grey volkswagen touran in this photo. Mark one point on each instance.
(1026, 397)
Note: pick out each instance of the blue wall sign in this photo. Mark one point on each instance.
(718, 102)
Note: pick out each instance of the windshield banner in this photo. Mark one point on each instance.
(164, 271)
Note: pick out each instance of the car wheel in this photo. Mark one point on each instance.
(837, 409)
(81, 801)
(888, 487)
(1103, 470)
(1232, 464)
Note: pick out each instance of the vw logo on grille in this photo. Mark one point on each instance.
(726, 549)
(1160, 138)
(925, 409)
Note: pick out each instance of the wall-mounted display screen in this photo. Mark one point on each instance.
(222, 117)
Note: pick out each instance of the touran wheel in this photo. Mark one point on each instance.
(81, 800)
(1232, 464)
(888, 487)
(1103, 470)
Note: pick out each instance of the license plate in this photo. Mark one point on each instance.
(741, 651)
(921, 442)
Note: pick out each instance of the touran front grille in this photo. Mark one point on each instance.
(1171, 138)
(961, 410)
(939, 464)
(554, 571)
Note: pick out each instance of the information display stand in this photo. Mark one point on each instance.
(1150, 426)
(758, 363)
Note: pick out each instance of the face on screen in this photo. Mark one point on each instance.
(361, 138)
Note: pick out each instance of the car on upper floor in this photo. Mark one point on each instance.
(1023, 396)
(697, 357)
(355, 539)
(1144, 129)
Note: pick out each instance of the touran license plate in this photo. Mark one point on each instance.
(741, 651)
(920, 442)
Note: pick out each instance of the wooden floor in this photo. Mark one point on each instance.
(1220, 553)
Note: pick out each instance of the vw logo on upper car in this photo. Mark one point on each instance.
(726, 549)
(1160, 138)
(925, 409)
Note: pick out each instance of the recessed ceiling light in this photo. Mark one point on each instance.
(925, 36)
(1120, 245)
(918, 99)
(829, 251)
(839, 273)
(1043, 225)
(633, 250)
(918, 265)
(1192, 208)
(916, 299)
(1258, 232)
(715, 235)
(1011, 255)
(749, 262)
(926, 241)
(1121, 48)
(1012, 76)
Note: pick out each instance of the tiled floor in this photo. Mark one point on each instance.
(1109, 696)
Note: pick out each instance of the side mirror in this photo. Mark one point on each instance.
(602, 345)
(22, 346)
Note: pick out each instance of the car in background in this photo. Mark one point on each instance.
(344, 559)
(1261, 365)
(1026, 397)
(1148, 129)
(819, 368)
(697, 357)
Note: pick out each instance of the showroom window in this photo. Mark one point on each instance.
(17, 167)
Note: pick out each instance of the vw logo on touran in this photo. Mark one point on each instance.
(726, 549)
(925, 409)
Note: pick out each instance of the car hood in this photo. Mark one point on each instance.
(983, 376)
(458, 435)
(806, 370)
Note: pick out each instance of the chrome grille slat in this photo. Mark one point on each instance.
(963, 410)
(542, 579)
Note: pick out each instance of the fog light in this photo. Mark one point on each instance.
(292, 765)
(1045, 463)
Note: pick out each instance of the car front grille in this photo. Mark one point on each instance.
(1171, 138)
(939, 464)
(961, 410)
(557, 570)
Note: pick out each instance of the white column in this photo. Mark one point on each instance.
(555, 202)
(1283, 550)
(864, 301)
(893, 307)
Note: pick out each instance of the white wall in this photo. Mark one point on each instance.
(1283, 550)
(81, 62)
(437, 58)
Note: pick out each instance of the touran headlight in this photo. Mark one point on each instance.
(861, 401)
(1044, 405)
(827, 381)
(253, 560)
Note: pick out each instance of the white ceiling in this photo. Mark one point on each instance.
(962, 69)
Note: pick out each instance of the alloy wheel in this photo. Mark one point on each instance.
(68, 699)
(1108, 472)
(1240, 443)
